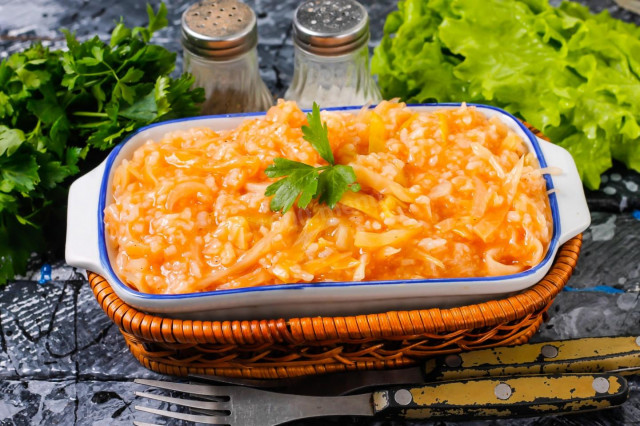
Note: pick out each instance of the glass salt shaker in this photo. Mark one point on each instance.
(331, 55)
(219, 40)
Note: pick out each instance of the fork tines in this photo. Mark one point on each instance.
(204, 390)
(217, 411)
(184, 416)
(191, 403)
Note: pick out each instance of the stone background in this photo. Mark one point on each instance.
(62, 361)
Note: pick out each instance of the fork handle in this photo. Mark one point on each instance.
(503, 397)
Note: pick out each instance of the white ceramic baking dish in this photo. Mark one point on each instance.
(87, 247)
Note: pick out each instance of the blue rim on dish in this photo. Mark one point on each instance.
(114, 279)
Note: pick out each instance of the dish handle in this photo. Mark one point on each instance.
(81, 247)
(572, 204)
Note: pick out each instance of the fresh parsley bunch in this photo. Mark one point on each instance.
(58, 107)
(304, 182)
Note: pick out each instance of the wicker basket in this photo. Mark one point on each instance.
(307, 346)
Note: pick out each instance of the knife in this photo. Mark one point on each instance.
(587, 355)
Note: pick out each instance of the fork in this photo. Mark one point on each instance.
(479, 398)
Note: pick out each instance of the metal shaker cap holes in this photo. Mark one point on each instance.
(549, 351)
(330, 27)
(600, 385)
(218, 19)
(218, 28)
(503, 391)
(330, 16)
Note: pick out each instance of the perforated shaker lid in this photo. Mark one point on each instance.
(330, 27)
(219, 29)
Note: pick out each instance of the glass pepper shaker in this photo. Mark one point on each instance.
(219, 40)
(331, 55)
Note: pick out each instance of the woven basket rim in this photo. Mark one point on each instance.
(151, 327)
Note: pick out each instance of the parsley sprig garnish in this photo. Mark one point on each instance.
(304, 182)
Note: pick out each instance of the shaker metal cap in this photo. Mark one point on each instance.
(330, 27)
(219, 29)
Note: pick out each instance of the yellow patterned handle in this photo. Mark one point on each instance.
(588, 355)
(503, 397)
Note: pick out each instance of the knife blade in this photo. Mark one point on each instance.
(585, 355)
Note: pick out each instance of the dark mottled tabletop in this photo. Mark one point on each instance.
(62, 361)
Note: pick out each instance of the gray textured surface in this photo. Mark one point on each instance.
(62, 361)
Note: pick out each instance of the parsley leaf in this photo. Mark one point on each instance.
(317, 134)
(284, 166)
(304, 182)
(334, 182)
(10, 139)
(18, 173)
(301, 180)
